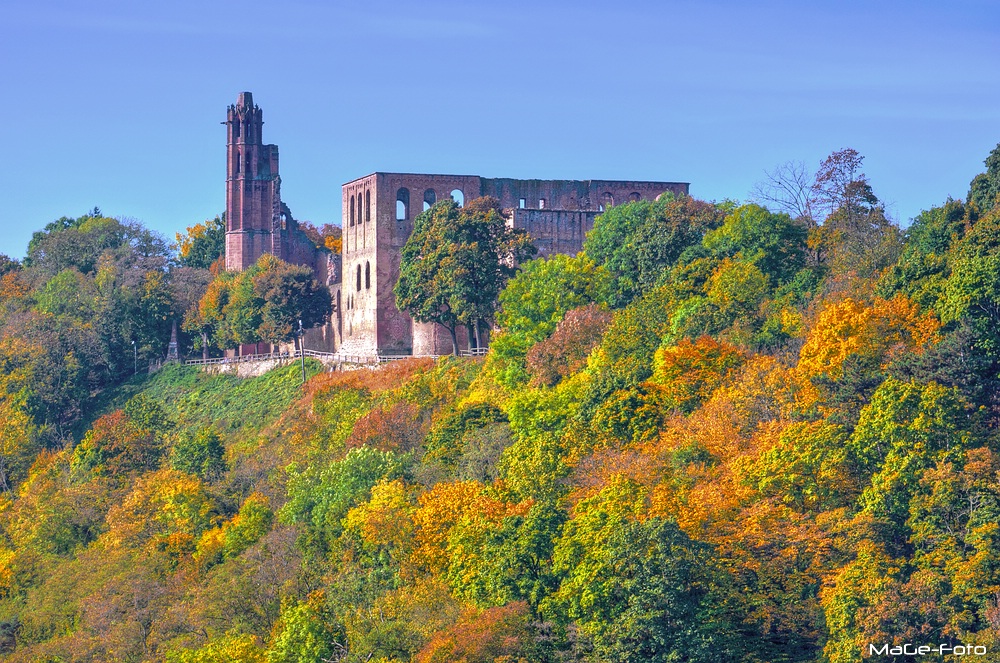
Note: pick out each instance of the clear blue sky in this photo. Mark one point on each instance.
(118, 104)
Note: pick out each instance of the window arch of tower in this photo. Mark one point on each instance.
(352, 209)
(359, 279)
(368, 205)
(430, 197)
(607, 200)
(402, 204)
(368, 275)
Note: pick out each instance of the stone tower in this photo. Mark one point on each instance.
(254, 214)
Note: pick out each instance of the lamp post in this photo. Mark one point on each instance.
(302, 353)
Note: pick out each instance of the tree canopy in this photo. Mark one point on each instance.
(456, 262)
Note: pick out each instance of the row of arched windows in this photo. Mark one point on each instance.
(368, 276)
(361, 208)
(430, 197)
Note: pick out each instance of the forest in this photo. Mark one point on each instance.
(759, 431)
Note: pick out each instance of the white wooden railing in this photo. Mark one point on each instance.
(322, 356)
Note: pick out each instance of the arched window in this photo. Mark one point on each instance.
(359, 278)
(238, 158)
(236, 130)
(368, 275)
(352, 209)
(429, 198)
(541, 203)
(403, 204)
(248, 163)
(607, 200)
(634, 196)
(458, 197)
(368, 205)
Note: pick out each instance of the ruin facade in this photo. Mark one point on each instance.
(377, 218)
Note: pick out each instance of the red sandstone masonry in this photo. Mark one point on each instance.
(556, 213)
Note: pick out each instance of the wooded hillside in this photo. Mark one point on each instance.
(720, 433)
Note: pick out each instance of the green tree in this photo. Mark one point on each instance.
(971, 294)
(81, 242)
(455, 263)
(291, 295)
(922, 270)
(535, 301)
(321, 497)
(637, 241)
(775, 243)
(640, 590)
(201, 454)
(985, 187)
(307, 632)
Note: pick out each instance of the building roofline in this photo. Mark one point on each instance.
(515, 179)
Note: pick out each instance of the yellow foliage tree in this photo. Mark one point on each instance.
(873, 333)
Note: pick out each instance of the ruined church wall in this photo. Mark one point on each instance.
(397, 332)
(358, 285)
(574, 195)
(554, 231)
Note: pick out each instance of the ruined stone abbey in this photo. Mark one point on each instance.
(377, 218)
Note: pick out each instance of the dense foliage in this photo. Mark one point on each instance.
(721, 433)
(455, 263)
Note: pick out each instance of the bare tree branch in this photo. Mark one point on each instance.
(788, 188)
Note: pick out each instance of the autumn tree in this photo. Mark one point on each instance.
(455, 263)
(856, 236)
(566, 351)
(202, 244)
(262, 303)
(327, 236)
(535, 301)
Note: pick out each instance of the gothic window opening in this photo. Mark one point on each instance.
(520, 203)
(541, 203)
(236, 130)
(634, 196)
(368, 206)
(368, 275)
(458, 197)
(248, 163)
(429, 199)
(402, 204)
(607, 200)
(352, 210)
(239, 157)
(359, 278)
